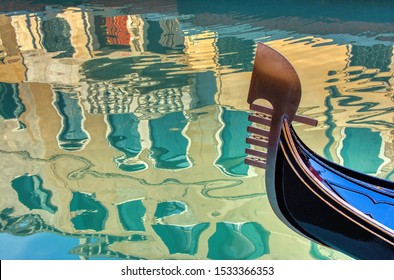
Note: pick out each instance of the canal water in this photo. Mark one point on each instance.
(123, 125)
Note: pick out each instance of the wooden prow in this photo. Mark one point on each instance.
(273, 79)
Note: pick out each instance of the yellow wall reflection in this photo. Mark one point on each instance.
(95, 138)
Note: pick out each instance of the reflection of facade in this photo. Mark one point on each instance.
(12, 69)
(111, 150)
(365, 90)
(82, 131)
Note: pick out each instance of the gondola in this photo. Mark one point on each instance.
(325, 202)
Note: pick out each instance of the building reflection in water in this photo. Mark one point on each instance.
(125, 137)
(87, 212)
(131, 214)
(169, 146)
(127, 131)
(32, 194)
(11, 106)
(73, 136)
(238, 241)
(180, 239)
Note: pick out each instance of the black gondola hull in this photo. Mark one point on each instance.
(320, 215)
(325, 202)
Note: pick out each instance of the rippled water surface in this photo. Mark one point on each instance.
(123, 126)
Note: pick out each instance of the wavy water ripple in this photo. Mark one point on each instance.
(123, 124)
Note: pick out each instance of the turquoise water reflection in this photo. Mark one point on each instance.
(73, 135)
(238, 241)
(180, 239)
(231, 161)
(88, 212)
(131, 215)
(123, 128)
(32, 194)
(169, 146)
(11, 106)
(124, 137)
